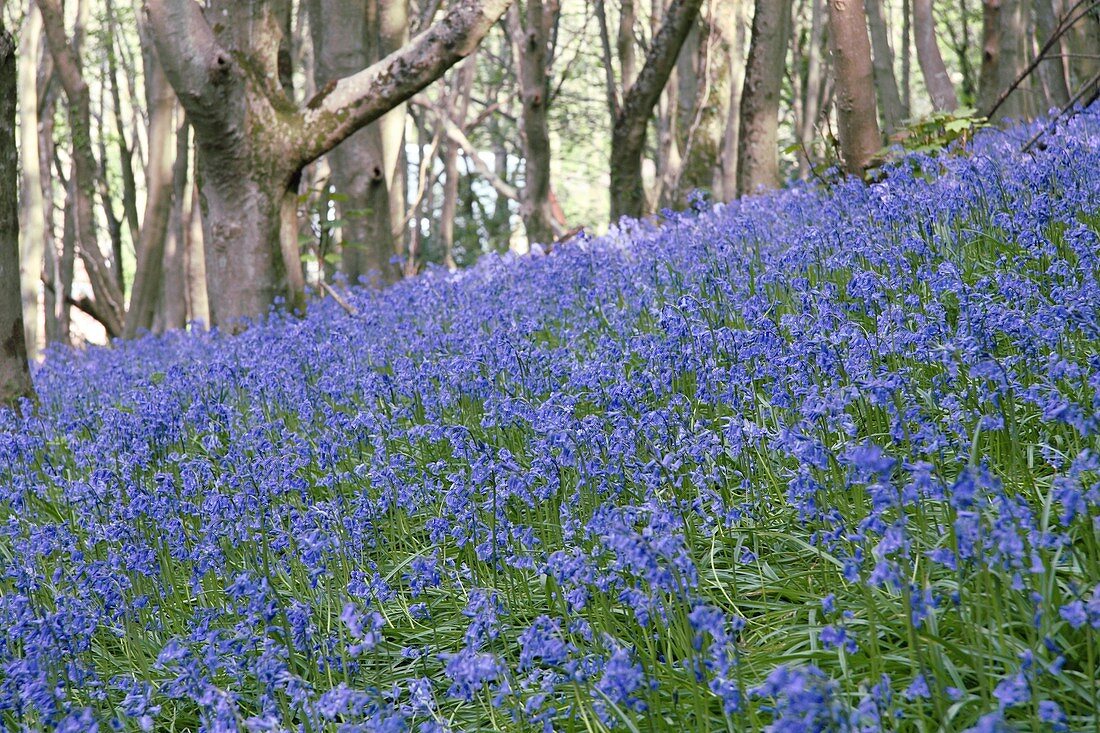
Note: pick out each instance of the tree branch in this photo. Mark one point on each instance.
(357, 100)
(191, 56)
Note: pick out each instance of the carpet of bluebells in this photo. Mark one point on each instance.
(825, 459)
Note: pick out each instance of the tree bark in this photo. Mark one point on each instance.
(726, 175)
(855, 92)
(624, 43)
(149, 273)
(531, 37)
(813, 89)
(936, 79)
(1054, 71)
(1013, 59)
(458, 103)
(758, 150)
(15, 379)
(172, 300)
(883, 58)
(32, 245)
(704, 129)
(1084, 40)
(67, 62)
(628, 133)
(198, 306)
(990, 73)
(253, 141)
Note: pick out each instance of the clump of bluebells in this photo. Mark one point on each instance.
(815, 460)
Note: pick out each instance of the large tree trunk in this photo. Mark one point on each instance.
(855, 91)
(1013, 59)
(346, 38)
(105, 287)
(198, 305)
(32, 245)
(158, 203)
(628, 132)
(253, 141)
(758, 150)
(931, 63)
(15, 379)
(1084, 40)
(531, 37)
(990, 73)
(889, 99)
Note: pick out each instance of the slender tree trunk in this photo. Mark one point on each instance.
(173, 298)
(629, 131)
(932, 67)
(108, 295)
(125, 151)
(814, 88)
(15, 378)
(907, 57)
(32, 248)
(458, 103)
(855, 91)
(726, 174)
(883, 59)
(990, 74)
(628, 64)
(1054, 72)
(158, 204)
(758, 151)
(198, 305)
(531, 36)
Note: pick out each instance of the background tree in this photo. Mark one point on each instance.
(856, 118)
(758, 147)
(936, 79)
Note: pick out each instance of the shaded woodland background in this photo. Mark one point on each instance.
(566, 115)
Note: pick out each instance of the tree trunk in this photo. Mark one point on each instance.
(931, 63)
(1084, 40)
(855, 92)
(15, 378)
(758, 151)
(532, 39)
(458, 103)
(198, 305)
(705, 128)
(172, 301)
(1013, 59)
(990, 74)
(628, 132)
(1053, 71)
(813, 89)
(625, 44)
(32, 246)
(726, 174)
(253, 141)
(158, 203)
(887, 86)
(125, 152)
(907, 57)
(108, 295)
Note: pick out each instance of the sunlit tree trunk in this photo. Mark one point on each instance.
(990, 73)
(855, 91)
(1053, 70)
(936, 79)
(458, 104)
(886, 84)
(758, 149)
(110, 309)
(32, 243)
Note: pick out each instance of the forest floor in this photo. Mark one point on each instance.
(822, 459)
